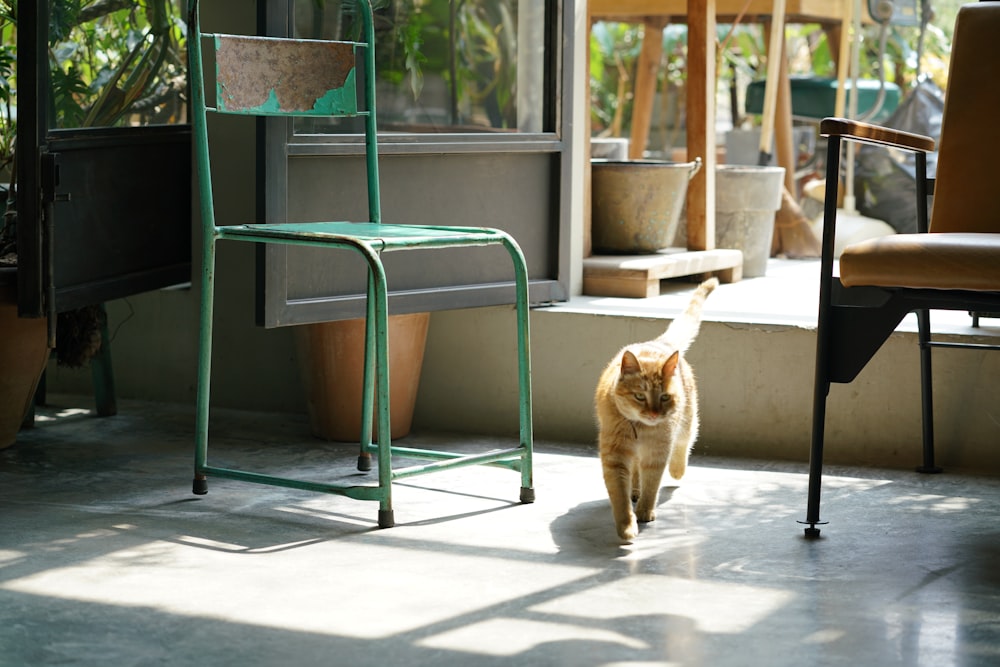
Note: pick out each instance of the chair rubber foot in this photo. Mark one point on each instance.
(200, 486)
(386, 519)
(364, 462)
(812, 533)
(527, 494)
(930, 470)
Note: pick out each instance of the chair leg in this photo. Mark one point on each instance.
(524, 391)
(926, 392)
(41, 393)
(368, 382)
(200, 484)
(821, 390)
(378, 319)
(524, 372)
(102, 373)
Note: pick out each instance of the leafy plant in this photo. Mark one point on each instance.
(112, 59)
(8, 63)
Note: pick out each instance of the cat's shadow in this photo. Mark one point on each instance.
(589, 529)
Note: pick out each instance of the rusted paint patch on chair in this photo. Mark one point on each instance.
(261, 76)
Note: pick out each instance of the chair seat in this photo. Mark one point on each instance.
(380, 236)
(928, 261)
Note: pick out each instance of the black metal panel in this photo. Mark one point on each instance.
(32, 79)
(121, 219)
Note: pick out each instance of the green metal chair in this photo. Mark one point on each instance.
(263, 76)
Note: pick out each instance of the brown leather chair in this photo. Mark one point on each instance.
(952, 264)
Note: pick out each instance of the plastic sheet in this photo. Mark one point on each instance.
(885, 179)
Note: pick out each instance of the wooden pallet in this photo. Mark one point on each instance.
(639, 276)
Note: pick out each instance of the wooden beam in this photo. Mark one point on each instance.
(796, 11)
(645, 84)
(784, 140)
(701, 123)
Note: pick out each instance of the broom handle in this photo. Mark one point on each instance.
(775, 52)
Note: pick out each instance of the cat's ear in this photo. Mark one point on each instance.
(670, 365)
(630, 365)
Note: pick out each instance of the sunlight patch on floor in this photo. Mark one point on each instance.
(375, 574)
(508, 637)
(708, 604)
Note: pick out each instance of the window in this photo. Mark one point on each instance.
(470, 112)
(446, 66)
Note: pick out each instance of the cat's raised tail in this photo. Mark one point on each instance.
(683, 330)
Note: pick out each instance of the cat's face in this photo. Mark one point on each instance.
(645, 388)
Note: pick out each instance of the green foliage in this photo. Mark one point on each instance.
(110, 59)
(8, 63)
(614, 51)
(485, 71)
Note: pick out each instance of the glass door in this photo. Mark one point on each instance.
(103, 177)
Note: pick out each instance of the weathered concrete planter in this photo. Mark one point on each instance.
(746, 200)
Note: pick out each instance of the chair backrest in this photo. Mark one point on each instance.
(967, 188)
(274, 76)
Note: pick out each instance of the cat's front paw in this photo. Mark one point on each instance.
(628, 531)
(644, 515)
(677, 470)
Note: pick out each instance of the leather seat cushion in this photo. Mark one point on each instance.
(968, 261)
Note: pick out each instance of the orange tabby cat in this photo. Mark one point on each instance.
(647, 411)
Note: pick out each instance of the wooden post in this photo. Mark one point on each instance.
(645, 84)
(701, 123)
(784, 139)
(588, 195)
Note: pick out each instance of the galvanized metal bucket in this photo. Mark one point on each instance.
(636, 204)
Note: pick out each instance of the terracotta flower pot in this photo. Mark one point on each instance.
(23, 354)
(330, 359)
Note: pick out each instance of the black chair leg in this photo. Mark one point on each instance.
(102, 373)
(926, 392)
(816, 459)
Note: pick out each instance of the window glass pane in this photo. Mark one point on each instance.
(116, 63)
(445, 65)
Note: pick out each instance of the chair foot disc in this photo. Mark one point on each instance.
(364, 462)
(527, 495)
(200, 486)
(386, 519)
(812, 532)
(930, 470)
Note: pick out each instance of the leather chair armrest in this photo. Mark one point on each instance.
(854, 130)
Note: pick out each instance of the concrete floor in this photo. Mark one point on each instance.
(106, 558)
